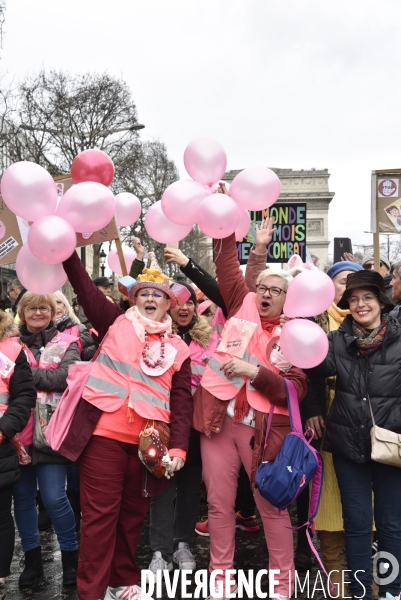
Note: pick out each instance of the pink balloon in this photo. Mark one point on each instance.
(244, 224)
(218, 216)
(29, 190)
(181, 201)
(309, 294)
(205, 160)
(36, 276)
(161, 229)
(128, 209)
(88, 206)
(255, 188)
(52, 239)
(92, 165)
(303, 343)
(114, 262)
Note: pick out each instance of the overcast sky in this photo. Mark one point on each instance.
(282, 83)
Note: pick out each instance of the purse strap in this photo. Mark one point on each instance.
(371, 411)
(293, 410)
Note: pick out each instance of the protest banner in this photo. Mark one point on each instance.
(289, 237)
(385, 206)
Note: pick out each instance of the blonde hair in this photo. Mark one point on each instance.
(269, 272)
(68, 310)
(36, 299)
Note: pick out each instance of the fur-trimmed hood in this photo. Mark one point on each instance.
(201, 332)
(8, 327)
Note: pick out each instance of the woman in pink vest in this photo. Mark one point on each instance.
(173, 514)
(49, 354)
(17, 399)
(141, 373)
(239, 384)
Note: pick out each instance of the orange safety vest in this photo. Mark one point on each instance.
(214, 380)
(117, 375)
(9, 351)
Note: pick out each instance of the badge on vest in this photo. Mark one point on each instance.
(5, 365)
(236, 336)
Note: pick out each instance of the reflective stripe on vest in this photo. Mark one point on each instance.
(216, 382)
(117, 375)
(4, 398)
(127, 369)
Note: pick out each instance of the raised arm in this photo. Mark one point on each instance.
(205, 282)
(258, 254)
(101, 312)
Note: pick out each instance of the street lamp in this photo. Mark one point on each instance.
(102, 256)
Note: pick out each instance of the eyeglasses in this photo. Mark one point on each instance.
(12, 290)
(154, 294)
(273, 291)
(370, 266)
(33, 309)
(366, 299)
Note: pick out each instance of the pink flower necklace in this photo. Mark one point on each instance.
(145, 352)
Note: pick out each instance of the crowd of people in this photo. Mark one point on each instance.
(156, 359)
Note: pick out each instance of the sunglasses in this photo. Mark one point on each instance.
(370, 266)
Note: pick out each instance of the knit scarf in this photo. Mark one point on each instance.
(368, 341)
(140, 323)
(336, 316)
(241, 408)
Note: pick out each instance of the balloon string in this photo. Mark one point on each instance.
(217, 250)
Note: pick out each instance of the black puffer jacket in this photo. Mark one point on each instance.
(22, 400)
(48, 380)
(377, 376)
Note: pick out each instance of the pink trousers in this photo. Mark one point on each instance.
(222, 455)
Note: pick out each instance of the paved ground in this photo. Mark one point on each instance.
(251, 553)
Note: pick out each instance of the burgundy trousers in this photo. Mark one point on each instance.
(113, 511)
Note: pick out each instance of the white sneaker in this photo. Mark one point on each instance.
(125, 592)
(184, 557)
(158, 564)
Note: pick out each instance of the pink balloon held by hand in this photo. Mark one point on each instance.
(218, 216)
(309, 294)
(128, 209)
(88, 206)
(92, 165)
(52, 239)
(29, 190)
(205, 160)
(37, 276)
(303, 343)
(255, 188)
(161, 229)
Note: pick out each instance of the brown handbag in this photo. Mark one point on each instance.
(386, 444)
(153, 446)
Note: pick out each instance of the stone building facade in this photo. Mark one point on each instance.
(311, 187)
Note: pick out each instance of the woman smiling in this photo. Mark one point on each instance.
(365, 354)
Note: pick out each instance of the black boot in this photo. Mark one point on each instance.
(33, 571)
(73, 497)
(44, 520)
(303, 555)
(69, 559)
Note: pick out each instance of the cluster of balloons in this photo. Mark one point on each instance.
(303, 343)
(30, 192)
(192, 201)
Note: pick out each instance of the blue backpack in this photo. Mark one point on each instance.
(296, 464)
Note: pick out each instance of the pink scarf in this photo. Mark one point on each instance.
(140, 323)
